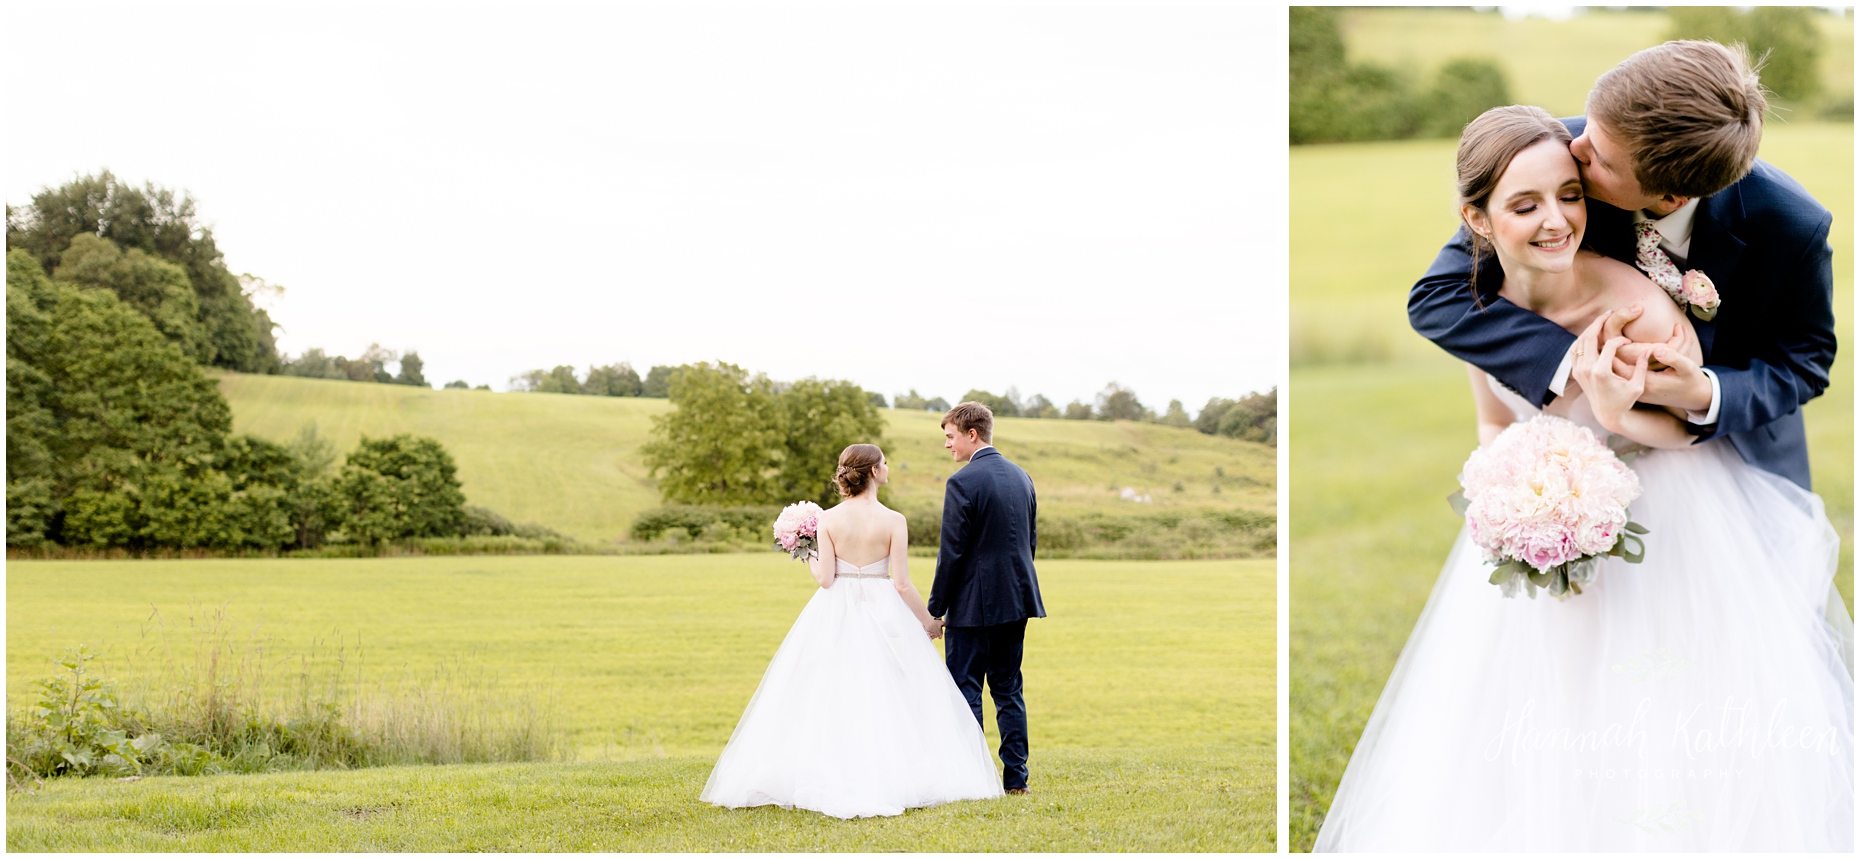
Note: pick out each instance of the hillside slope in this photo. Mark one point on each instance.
(573, 463)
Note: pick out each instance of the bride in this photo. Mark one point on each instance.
(856, 715)
(1697, 701)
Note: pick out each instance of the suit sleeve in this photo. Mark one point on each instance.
(1779, 381)
(1033, 521)
(1518, 347)
(951, 550)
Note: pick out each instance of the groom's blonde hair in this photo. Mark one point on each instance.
(1689, 113)
(972, 416)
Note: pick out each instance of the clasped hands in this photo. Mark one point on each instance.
(934, 628)
(1618, 372)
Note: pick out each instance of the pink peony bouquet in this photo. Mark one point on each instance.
(797, 530)
(1546, 500)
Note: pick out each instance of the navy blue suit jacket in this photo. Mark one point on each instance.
(1764, 243)
(984, 563)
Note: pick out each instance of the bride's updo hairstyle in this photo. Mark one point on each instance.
(856, 465)
(1486, 148)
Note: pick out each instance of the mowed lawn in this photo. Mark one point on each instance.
(1150, 692)
(1376, 444)
(573, 463)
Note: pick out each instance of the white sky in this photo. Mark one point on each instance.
(1048, 198)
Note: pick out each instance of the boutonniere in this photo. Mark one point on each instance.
(1697, 293)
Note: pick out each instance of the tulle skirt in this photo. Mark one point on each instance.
(1701, 700)
(856, 716)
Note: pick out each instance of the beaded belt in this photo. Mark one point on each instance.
(862, 575)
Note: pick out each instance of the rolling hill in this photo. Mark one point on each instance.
(572, 463)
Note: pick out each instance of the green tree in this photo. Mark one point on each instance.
(877, 400)
(913, 401)
(1784, 38)
(410, 370)
(723, 439)
(1176, 416)
(1332, 100)
(1003, 407)
(658, 382)
(1118, 403)
(1078, 411)
(115, 437)
(613, 380)
(164, 224)
(399, 487)
(1253, 417)
(1038, 406)
(153, 286)
(1464, 89)
(560, 380)
(1208, 420)
(372, 366)
(315, 365)
(820, 418)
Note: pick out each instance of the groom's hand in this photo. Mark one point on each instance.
(1681, 384)
(1628, 355)
(1672, 379)
(933, 628)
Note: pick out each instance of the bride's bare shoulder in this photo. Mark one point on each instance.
(1623, 285)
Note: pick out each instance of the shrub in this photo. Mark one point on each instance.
(1332, 100)
(399, 487)
(747, 524)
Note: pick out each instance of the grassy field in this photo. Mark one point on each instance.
(572, 463)
(1150, 689)
(1550, 64)
(1382, 420)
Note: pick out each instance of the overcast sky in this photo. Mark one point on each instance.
(1047, 198)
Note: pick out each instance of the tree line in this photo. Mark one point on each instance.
(1252, 417)
(736, 438)
(148, 247)
(1335, 100)
(116, 438)
(1256, 420)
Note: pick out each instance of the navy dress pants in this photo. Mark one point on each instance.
(993, 652)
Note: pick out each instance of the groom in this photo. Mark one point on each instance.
(1670, 141)
(985, 588)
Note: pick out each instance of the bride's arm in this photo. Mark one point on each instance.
(826, 562)
(1493, 414)
(901, 571)
(1613, 397)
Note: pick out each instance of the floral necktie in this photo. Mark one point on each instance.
(1691, 290)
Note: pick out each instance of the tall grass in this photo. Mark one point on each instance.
(201, 696)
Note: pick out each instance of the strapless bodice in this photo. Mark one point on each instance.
(879, 569)
(1575, 409)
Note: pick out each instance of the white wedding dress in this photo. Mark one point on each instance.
(1701, 700)
(856, 715)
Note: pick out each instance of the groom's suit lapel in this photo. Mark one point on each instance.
(1716, 251)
